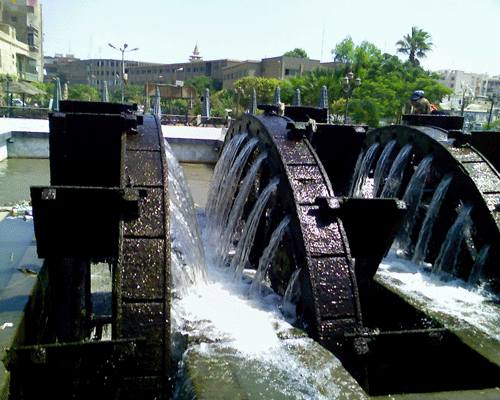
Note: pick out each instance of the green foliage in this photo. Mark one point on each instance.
(83, 93)
(297, 53)
(131, 94)
(202, 82)
(264, 89)
(220, 102)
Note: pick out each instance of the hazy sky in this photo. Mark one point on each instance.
(465, 33)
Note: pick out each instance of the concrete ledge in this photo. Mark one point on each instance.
(28, 145)
(205, 151)
(4, 137)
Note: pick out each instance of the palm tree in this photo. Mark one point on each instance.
(415, 45)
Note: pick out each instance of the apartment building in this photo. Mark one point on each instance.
(21, 38)
(460, 81)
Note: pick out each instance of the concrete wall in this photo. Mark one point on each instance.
(203, 151)
(36, 145)
(3, 144)
(28, 145)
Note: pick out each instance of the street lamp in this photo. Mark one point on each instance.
(493, 98)
(123, 64)
(175, 75)
(348, 89)
(239, 91)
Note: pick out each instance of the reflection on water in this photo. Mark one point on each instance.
(18, 174)
(198, 177)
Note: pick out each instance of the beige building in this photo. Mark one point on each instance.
(21, 39)
(225, 72)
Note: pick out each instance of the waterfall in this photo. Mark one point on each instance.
(448, 253)
(476, 274)
(223, 247)
(291, 297)
(357, 168)
(430, 217)
(356, 189)
(188, 255)
(221, 171)
(224, 197)
(395, 177)
(382, 167)
(266, 257)
(246, 241)
(412, 197)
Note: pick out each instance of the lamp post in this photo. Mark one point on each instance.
(466, 95)
(348, 89)
(175, 75)
(239, 91)
(123, 64)
(493, 98)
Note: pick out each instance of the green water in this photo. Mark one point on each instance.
(18, 174)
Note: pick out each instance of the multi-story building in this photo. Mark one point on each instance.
(21, 39)
(225, 72)
(460, 81)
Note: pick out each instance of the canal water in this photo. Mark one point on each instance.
(254, 352)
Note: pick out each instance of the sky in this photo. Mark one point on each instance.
(465, 33)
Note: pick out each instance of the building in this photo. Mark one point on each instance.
(21, 39)
(224, 72)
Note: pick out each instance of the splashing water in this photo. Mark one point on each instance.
(364, 169)
(224, 197)
(446, 259)
(412, 197)
(430, 217)
(265, 259)
(247, 237)
(393, 183)
(382, 167)
(476, 274)
(236, 211)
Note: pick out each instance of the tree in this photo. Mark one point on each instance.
(297, 53)
(202, 82)
(344, 51)
(415, 45)
(264, 89)
(83, 93)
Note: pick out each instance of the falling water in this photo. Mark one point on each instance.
(448, 253)
(395, 177)
(265, 259)
(246, 241)
(221, 172)
(357, 168)
(476, 274)
(382, 167)
(292, 296)
(356, 189)
(188, 254)
(430, 217)
(412, 197)
(222, 249)
(224, 198)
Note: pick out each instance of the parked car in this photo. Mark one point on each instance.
(18, 103)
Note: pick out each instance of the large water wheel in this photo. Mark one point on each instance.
(335, 243)
(108, 202)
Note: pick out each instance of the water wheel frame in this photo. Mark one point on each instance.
(475, 182)
(319, 241)
(108, 202)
